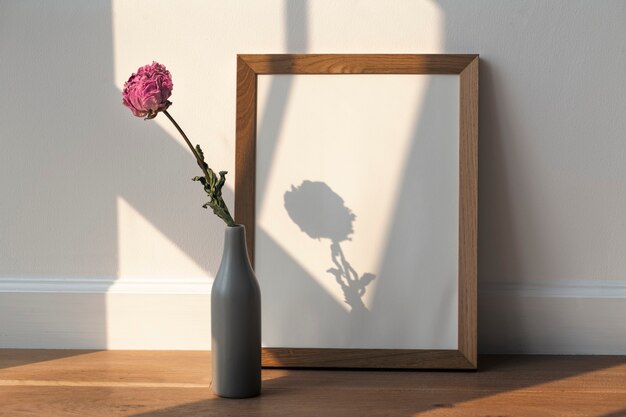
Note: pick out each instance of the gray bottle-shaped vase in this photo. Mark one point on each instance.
(236, 321)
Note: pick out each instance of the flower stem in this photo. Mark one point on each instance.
(222, 210)
(193, 150)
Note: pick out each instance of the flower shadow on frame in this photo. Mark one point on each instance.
(303, 204)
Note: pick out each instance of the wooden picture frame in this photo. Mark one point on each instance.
(466, 66)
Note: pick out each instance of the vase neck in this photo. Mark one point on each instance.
(235, 247)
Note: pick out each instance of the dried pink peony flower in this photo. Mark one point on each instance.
(146, 92)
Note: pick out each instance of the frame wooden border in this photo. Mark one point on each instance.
(248, 67)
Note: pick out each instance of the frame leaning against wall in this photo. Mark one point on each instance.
(466, 66)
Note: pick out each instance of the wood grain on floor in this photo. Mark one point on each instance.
(171, 384)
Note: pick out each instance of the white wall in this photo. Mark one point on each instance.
(93, 198)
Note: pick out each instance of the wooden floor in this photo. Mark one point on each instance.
(160, 384)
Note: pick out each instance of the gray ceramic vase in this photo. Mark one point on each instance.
(236, 321)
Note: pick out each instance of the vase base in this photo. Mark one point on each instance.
(237, 397)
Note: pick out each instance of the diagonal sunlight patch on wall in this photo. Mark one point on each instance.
(145, 251)
(161, 188)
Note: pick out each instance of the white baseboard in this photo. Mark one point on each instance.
(105, 313)
(110, 285)
(554, 317)
(559, 289)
